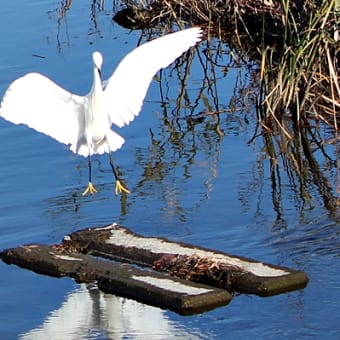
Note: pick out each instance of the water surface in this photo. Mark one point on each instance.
(188, 183)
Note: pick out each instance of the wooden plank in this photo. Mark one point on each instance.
(221, 269)
(146, 286)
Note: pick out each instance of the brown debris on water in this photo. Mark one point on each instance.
(199, 269)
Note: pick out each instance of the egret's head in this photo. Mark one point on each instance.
(97, 60)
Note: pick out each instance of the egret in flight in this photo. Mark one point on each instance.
(84, 122)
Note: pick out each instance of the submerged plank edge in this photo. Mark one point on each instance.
(244, 275)
(153, 288)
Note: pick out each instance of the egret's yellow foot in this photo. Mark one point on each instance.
(90, 189)
(120, 188)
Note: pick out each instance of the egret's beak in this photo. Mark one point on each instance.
(100, 74)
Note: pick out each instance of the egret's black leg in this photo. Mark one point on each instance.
(120, 188)
(90, 188)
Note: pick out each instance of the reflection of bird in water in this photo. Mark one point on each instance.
(84, 123)
(87, 313)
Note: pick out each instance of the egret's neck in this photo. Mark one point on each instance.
(96, 121)
(95, 97)
(97, 86)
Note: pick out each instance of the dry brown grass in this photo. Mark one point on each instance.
(295, 48)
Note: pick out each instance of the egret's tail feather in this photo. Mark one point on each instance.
(111, 143)
(114, 140)
(82, 150)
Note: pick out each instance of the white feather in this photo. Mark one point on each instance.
(84, 123)
(39, 103)
(126, 89)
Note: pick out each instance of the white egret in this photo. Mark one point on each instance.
(84, 122)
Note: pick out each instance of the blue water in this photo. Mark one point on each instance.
(188, 183)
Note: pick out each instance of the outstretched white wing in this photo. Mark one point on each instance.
(41, 104)
(126, 88)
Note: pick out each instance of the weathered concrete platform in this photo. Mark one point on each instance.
(244, 275)
(146, 286)
(155, 271)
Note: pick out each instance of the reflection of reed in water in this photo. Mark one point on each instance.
(186, 146)
(302, 170)
(204, 115)
(220, 93)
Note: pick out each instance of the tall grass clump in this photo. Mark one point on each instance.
(301, 79)
(296, 44)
